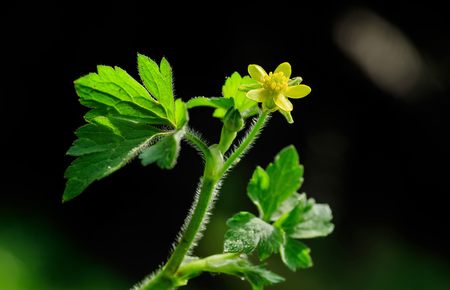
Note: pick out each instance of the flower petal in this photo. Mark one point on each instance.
(258, 95)
(283, 103)
(256, 72)
(285, 68)
(296, 92)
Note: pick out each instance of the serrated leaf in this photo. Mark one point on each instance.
(112, 91)
(158, 81)
(305, 219)
(165, 152)
(259, 277)
(315, 223)
(231, 90)
(248, 233)
(269, 188)
(102, 148)
(295, 254)
(130, 115)
(120, 123)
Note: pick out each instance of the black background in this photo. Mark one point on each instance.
(380, 161)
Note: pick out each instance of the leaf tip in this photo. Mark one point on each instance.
(65, 199)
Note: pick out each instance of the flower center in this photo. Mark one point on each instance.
(275, 82)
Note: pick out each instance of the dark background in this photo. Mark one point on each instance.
(376, 151)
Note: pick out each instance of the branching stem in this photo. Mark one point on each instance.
(215, 168)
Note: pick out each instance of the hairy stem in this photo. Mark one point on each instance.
(197, 142)
(193, 227)
(165, 279)
(247, 142)
(215, 168)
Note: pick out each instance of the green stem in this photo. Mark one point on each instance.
(204, 200)
(197, 142)
(213, 264)
(215, 168)
(245, 144)
(165, 279)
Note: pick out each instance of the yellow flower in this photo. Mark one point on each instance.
(275, 88)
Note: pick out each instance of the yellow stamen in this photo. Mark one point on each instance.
(275, 82)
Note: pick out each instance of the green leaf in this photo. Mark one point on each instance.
(295, 255)
(231, 90)
(158, 80)
(307, 219)
(256, 275)
(269, 188)
(289, 204)
(102, 148)
(274, 191)
(258, 187)
(248, 233)
(113, 92)
(165, 152)
(166, 69)
(259, 277)
(120, 119)
(181, 113)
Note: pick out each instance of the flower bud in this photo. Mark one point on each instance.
(233, 121)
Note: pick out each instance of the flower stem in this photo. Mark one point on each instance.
(215, 168)
(247, 142)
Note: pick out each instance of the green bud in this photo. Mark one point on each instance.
(248, 87)
(288, 116)
(295, 81)
(233, 121)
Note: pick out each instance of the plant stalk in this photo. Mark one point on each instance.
(247, 142)
(215, 168)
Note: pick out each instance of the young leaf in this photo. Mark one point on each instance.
(165, 152)
(158, 80)
(102, 148)
(295, 255)
(248, 233)
(231, 90)
(307, 220)
(269, 188)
